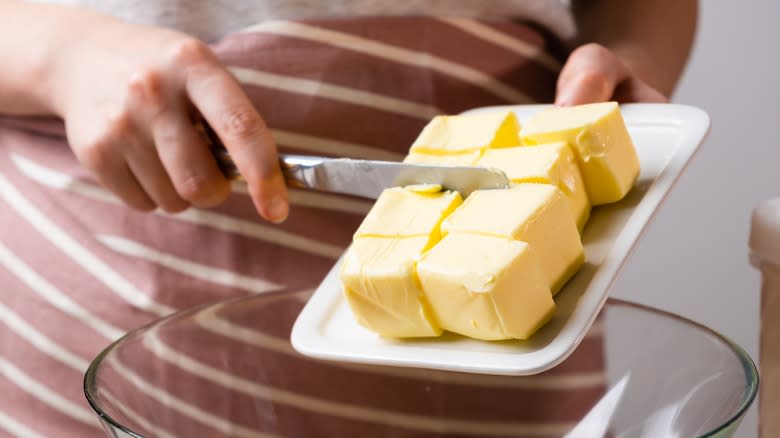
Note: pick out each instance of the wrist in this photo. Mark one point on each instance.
(65, 55)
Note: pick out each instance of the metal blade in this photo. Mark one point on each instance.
(368, 178)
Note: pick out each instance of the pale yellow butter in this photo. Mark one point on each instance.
(463, 134)
(600, 139)
(407, 213)
(464, 159)
(381, 287)
(486, 287)
(505, 253)
(552, 163)
(425, 188)
(537, 214)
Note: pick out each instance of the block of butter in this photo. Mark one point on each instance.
(381, 286)
(552, 163)
(467, 134)
(424, 260)
(537, 214)
(464, 159)
(406, 212)
(486, 287)
(601, 142)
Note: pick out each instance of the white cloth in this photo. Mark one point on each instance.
(212, 19)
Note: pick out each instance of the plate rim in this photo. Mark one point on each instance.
(697, 127)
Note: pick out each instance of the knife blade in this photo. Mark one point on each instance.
(368, 178)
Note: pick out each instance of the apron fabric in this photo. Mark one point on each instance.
(79, 269)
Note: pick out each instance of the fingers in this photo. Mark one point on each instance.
(150, 154)
(167, 156)
(121, 181)
(223, 104)
(171, 172)
(187, 160)
(143, 161)
(590, 75)
(169, 168)
(593, 73)
(107, 163)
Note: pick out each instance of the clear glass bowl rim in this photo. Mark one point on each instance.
(749, 366)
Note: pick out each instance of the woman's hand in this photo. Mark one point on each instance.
(130, 96)
(593, 73)
(640, 55)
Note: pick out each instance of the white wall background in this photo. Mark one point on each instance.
(694, 258)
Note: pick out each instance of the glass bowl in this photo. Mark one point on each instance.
(228, 369)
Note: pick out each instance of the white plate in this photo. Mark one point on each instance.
(666, 137)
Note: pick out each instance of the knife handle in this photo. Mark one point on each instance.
(298, 170)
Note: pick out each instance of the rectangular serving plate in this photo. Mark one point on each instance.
(666, 137)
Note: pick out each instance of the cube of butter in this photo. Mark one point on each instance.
(401, 212)
(537, 214)
(604, 149)
(464, 134)
(552, 163)
(381, 287)
(486, 287)
(464, 159)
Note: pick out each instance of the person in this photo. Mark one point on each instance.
(115, 211)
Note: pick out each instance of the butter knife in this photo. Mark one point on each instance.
(368, 178)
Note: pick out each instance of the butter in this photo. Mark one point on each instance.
(552, 163)
(407, 213)
(465, 134)
(424, 260)
(603, 147)
(537, 214)
(464, 159)
(425, 188)
(486, 287)
(381, 287)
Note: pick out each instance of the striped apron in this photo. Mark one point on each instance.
(79, 269)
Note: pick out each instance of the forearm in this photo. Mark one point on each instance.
(653, 37)
(34, 38)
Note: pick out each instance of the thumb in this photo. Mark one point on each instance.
(591, 74)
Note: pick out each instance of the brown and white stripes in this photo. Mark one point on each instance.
(78, 269)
